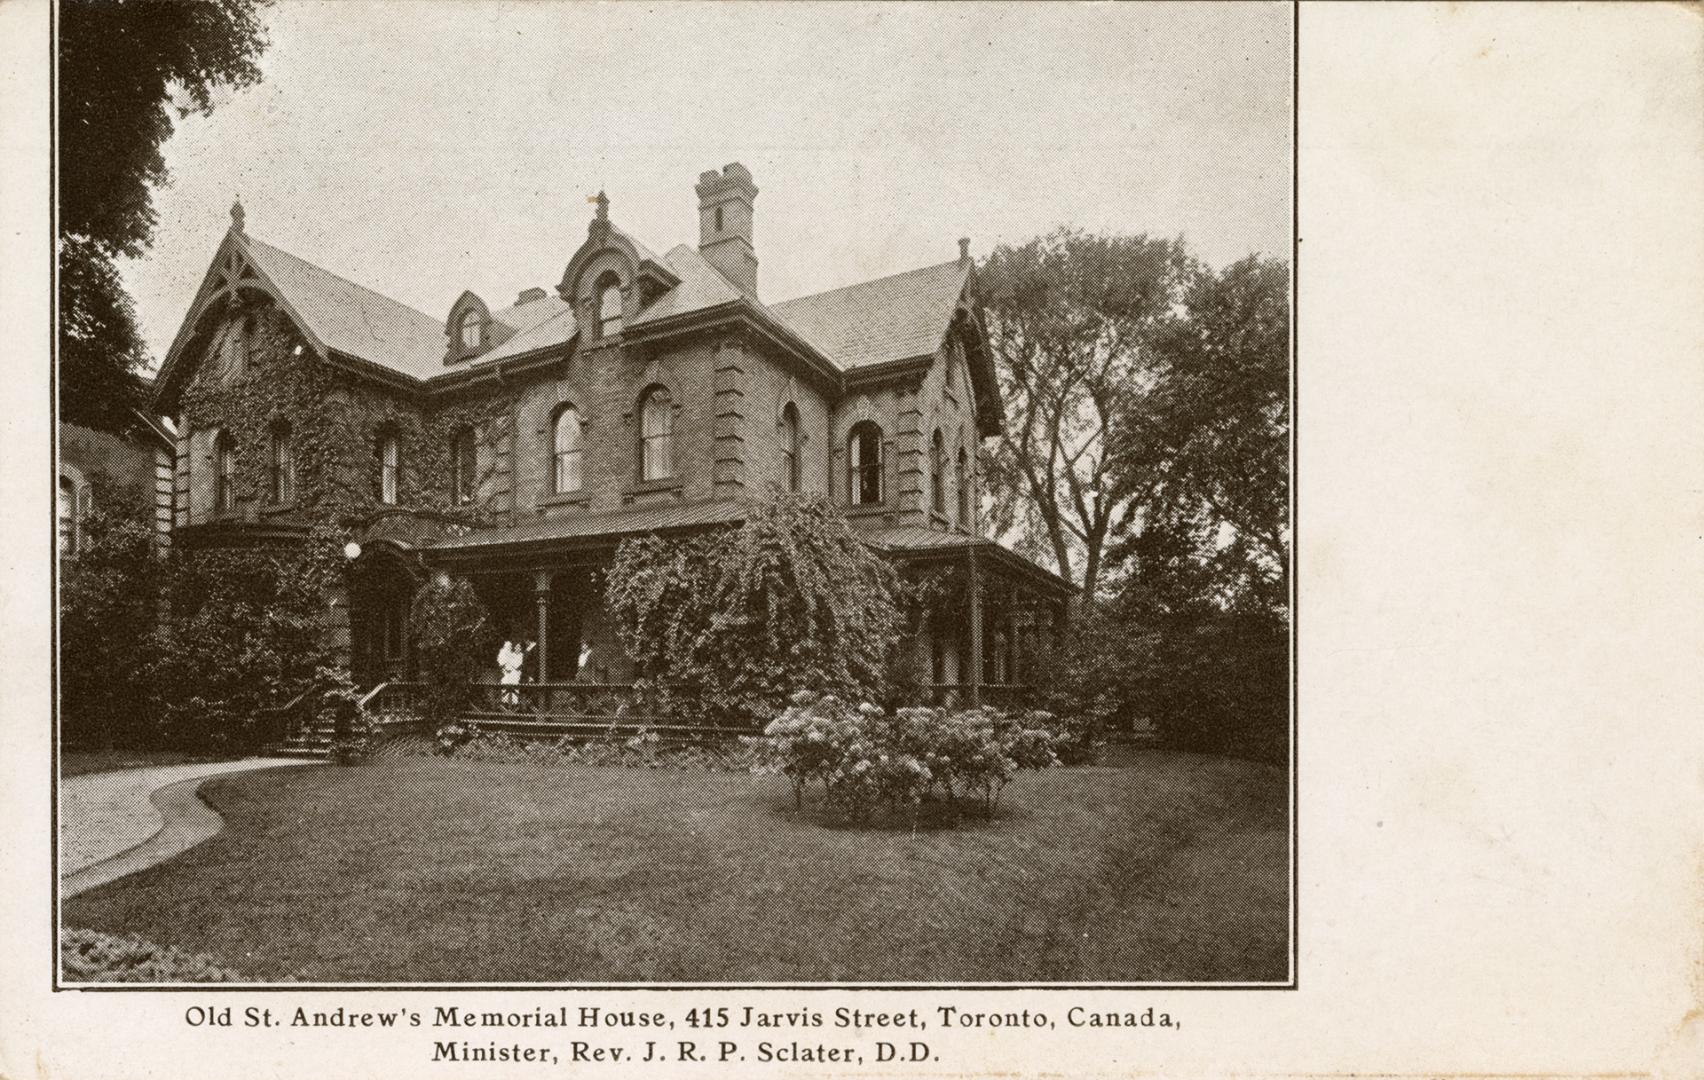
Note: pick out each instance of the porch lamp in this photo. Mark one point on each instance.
(352, 551)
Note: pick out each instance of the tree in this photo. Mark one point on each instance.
(1209, 451)
(790, 600)
(109, 597)
(124, 69)
(1070, 317)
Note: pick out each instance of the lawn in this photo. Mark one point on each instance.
(1172, 868)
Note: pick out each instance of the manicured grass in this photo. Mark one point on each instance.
(84, 762)
(1173, 868)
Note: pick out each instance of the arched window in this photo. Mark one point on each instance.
(938, 473)
(281, 467)
(656, 435)
(609, 306)
(567, 437)
(67, 516)
(225, 458)
(470, 330)
(864, 464)
(390, 469)
(464, 467)
(961, 481)
(790, 446)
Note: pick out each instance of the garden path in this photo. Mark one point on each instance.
(116, 823)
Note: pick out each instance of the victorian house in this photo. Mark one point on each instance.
(518, 443)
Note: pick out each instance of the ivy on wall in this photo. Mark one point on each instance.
(335, 422)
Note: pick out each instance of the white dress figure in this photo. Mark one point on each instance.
(509, 659)
(581, 669)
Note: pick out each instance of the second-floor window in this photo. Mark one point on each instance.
(281, 470)
(938, 473)
(789, 445)
(470, 330)
(566, 434)
(225, 465)
(390, 469)
(464, 467)
(656, 435)
(961, 482)
(864, 464)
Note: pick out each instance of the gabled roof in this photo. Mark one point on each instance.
(876, 322)
(701, 286)
(351, 318)
(555, 328)
(897, 318)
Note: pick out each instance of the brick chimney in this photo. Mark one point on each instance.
(724, 223)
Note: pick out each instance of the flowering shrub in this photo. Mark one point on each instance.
(452, 736)
(90, 956)
(865, 758)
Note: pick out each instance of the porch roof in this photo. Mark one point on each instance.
(627, 521)
(915, 541)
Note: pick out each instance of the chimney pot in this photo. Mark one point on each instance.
(527, 296)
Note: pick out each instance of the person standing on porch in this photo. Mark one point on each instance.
(510, 658)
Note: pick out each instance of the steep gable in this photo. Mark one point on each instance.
(895, 318)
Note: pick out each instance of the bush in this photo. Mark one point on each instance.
(246, 632)
(108, 600)
(453, 635)
(866, 758)
(89, 956)
(790, 598)
(1211, 682)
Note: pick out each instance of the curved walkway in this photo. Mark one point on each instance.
(116, 823)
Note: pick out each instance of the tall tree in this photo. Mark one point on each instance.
(125, 69)
(1070, 317)
(1210, 449)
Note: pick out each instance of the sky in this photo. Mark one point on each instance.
(425, 147)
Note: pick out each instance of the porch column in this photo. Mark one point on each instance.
(975, 586)
(541, 596)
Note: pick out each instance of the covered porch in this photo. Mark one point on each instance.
(980, 617)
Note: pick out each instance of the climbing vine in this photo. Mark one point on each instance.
(790, 600)
(334, 422)
(248, 629)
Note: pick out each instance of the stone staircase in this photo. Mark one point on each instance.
(306, 741)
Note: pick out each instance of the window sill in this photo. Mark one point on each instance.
(566, 498)
(865, 509)
(278, 507)
(648, 487)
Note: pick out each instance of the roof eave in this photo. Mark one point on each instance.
(740, 308)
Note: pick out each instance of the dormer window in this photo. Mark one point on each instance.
(609, 306)
(470, 330)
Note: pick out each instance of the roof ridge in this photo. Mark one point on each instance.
(347, 281)
(867, 282)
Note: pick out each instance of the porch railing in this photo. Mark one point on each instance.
(960, 695)
(592, 710)
(394, 706)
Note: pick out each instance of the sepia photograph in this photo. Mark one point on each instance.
(750, 494)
